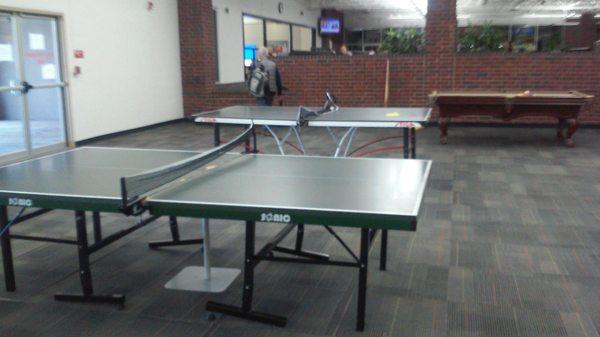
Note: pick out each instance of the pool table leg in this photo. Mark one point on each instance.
(573, 125)
(443, 125)
(559, 130)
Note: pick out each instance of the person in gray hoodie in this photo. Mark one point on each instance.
(274, 86)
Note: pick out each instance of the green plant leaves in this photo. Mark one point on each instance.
(402, 41)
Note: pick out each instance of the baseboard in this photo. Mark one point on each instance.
(126, 132)
(509, 125)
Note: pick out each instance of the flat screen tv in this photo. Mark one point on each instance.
(330, 26)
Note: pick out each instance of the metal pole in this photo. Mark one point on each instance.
(206, 236)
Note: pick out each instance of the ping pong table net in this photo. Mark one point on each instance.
(306, 114)
(136, 188)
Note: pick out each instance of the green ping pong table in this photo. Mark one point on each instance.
(368, 194)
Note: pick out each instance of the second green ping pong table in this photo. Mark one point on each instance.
(330, 117)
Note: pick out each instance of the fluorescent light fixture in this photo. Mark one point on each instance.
(406, 17)
(550, 16)
(463, 16)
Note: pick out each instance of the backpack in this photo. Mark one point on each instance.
(257, 82)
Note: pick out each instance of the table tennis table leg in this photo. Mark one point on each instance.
(413, 139)
(346, 138)
(246, 312)
(362, 279)
(406, 142)
(175, 237)
(7, 258)
(216, 134)
(85, 274)
(254, 141)
(97, 226)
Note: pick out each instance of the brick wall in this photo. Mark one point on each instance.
(360, 80)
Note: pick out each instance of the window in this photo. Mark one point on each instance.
(278, 37)
(523, 39)
(302, 38)
(550, 38)
(254, 37)
(282, 38)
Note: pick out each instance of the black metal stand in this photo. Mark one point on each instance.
(84, 249)
(254, 141)
(246, 311)
(85, 274)
(176, 240)
(413, 139)
(7, 259)
(383, 252)
(252, 259)
(216, 135)
(97, 226)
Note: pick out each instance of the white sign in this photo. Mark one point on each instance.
(37, 42)
(49, 72)
(6, 53)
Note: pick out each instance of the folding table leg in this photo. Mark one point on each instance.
(7, 258)
(362, 279)
(383, 253)
(413, 139)
(216, 135)
(246, 312)
(97, 226)
(85, 274)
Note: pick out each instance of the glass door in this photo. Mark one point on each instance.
(43, 81)
(32, 110)
(13, 133)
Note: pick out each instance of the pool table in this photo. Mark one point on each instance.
(564, 106)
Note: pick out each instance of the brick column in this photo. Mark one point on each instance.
(197, 42)
(440, 35)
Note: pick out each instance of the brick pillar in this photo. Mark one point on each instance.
(440, 35)
(198, 52)
(587, 30)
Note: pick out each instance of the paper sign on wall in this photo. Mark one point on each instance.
(6, 53)
(37, 42)
(49, 72)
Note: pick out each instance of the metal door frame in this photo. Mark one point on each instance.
(29, 152)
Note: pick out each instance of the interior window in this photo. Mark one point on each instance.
(254, 37)
(301, 38)
(278, 37)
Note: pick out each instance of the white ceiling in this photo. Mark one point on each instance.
(390, 13)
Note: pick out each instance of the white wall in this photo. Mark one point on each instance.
(131, 74)
(230, 29)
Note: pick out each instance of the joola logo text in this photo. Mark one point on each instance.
(270, 217)
(20, 202)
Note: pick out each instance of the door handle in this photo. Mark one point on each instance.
(26, 87)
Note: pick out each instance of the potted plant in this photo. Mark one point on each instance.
(402, 41)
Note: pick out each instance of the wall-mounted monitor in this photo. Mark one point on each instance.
(330, 26)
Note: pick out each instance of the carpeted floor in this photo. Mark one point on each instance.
(508, 244)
